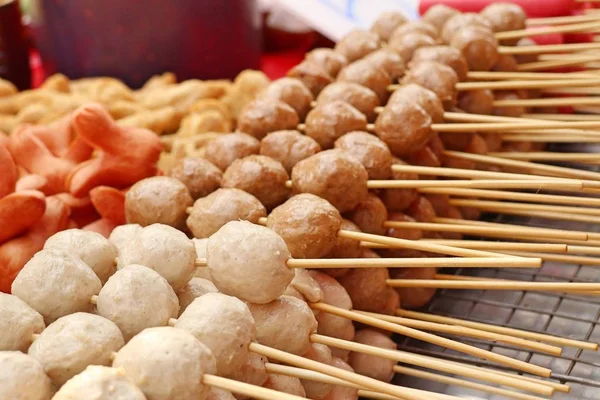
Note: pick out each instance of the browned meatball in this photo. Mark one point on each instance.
(404, 127)
(292, 92)
(478, 45)
(314, 76)
(508, 111)
(493, 141)
(288, 147)
(200, 176)
(506, 63)
(401, 233)
(422, 210)
(330, 60)
(504, 16)
(460, 21)
(389, 61)
(227, 148)
(439, 78)
(367, 287)
(407, 44)
(413, 93)
(444, 55)
(360, 97)
(333, 175)
(424, 157)
(357, 44)
(438, 14)
(367, 74)
(437, 146)
(158, 200)
(313, 389)
(371, 151)
(440, 203)
(308, 224)
(373, 366)
(386, 23)
(210, 213)
(470, 213)
(454, 213)
(399, 199)
(261, 176)
(455, 141)
(477, 145)
(526, 58)
(412, 298)
(418, 26)
(264, 115)
(476, 101)
(370, 214)
(343, 248)
(329, 121)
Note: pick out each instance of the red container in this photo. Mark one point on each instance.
(14, 48)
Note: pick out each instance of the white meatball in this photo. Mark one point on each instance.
(164, 249)
(18, 322)
(342, 392)
(253, 371)
(285, 324)
(304, 284)
(22, 377)
(249, 262)
(93, 248)
(99, 383)
(286, 384)
(219, 394)
(55, 283)
(196, 287)
(167, 363)
(373, 366)
(225, 325)
(200, 245)
(124, 233)
(71, 343)
(136, 298)
(317, 390)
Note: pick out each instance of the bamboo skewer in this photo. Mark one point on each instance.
(252, 391)
(523, 84)
(474, 184)
(489, 284)
(501, 205)
(548, 102)
(518, 34)
(552, 64)
(562, 117)
(547, 48)
(548, 156)
(580, 260)
(554, 138)
(439, 262)
(503, 246)
(571, 19)
(497, 75)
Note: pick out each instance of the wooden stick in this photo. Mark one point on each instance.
(580, 260)
(571, 90)
(547, 48)
(547, 102)
(542, 183)
(252, 391)
(562, 117)
(489, 284)
(552, 64)
(464, 117)
(547, 156)
(522, 84)
(439, 262)
(494, 76)
(517, 34)
(553, 138)
(502, 205)
(512, 126)
(503, 246)
(571, 19)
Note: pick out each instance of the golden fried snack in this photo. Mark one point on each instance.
(7, 88)
(160, 81)
(57, 83)
(159, 121)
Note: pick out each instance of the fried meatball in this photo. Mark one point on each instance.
(261, 176)
(413, 93)
(418, 26)
(329, 121)
(225, 325)
(334, 176)
(227, 148)
(71, 343)
(308, 224)
(55, 283)
(513, 111)
(504, 16)
(493, 141)
(18, 322)
(314, 75)
(386, 23)
(249, 262)
(285, 384)
(399, 199)
(404, 127)
(369, 215)
(210, 213)
(505, 63)
(196, 287)
(367, 287)
(136, 298)
(446, 55)
(477, 145)
(288, 147)
(321, 353)
(412, 298)
(422, 210)
(158, 200)
(478, 45)
(344, 247)
(373, 366)
(339, 392)
(401, 233)
(200, 176)
(330, 60)
(476, 101)
(357, 44)
(438, 15)
(22, 377)
(407, 44)
(360, 97)
(526, 58)
(425, 157)
(371, 151)
(367, 74)
(439, 78)
(99, 383)
(292, 92)
(389, 61)
(459, 21)
(266, 114)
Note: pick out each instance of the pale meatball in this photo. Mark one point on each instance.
(371, 151)
(93, 248)
(330, 60)
(313, 74)
(387, 22)
(321, 353)
(404, 127)
(219, 394)
(446, 55)
(253, 371)
(285, 384)
(227, 148)
(339, 392)
(438, 14)
(249, 262)
(418, 26)
(344, 247)
(288, 147)
(308, 224)
(71, 343)
(389, 61)
(476, 102)
(370, 214)
(478, 45)
(461, 20)
(357, 44)
(196, 287)
(360, 97)
(439, 78)
(285, 324)
(413, 93)
(399, 199)
(99, 383)
(158, 200)
(414, 297)
(292, 92)
(367, 74)
(367, 287)
(505, 16)
(167, 363)
(306, 286)
(122, 234)
(18, 322)
(136, 298)
(264, 115)
(373, 366)
(406, 45)
(210, 213)
(22, 377)
(200, 176)
(334, 176)
(261, 176)
(329, 121)
(164, 249)
(225, 325)
(55, 283)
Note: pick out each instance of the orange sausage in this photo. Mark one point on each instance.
(9, 172)
(19, 211)
(110, 203)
